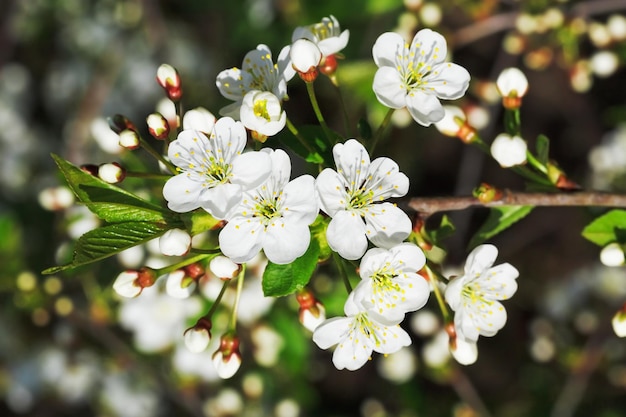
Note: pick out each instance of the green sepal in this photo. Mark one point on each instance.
(199, 221)
(281, 280)
(499, 219)
(608, 228)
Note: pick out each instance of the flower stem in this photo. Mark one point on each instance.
(381, 130)
(188, 261)
(157, 155)
(346, 119)
(342, 271)
(217, 301)
(240, 278)
(535, 163)
(434, 280)
(294, 131)
(318, 113)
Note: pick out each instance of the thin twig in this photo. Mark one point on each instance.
(430, 205)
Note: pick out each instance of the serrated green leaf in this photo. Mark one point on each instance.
(444, 230)
(281, 280)
(543, 149)
(499, 219)
(90, 189)
(119, 213)
(108, 240)
(610, 227)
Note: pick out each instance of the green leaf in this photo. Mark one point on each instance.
(318, 232)
(610, 227)
(280, 280)
(108, 240)
(499, 219)
(316, 139)
(119, 205)
(543, 149)
(444, 230)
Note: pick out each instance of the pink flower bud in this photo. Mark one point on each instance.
(168, 78)
(312, 312)
(118, 123)
(111, 173)
(129, 139)
(305, 57)
(158, 126)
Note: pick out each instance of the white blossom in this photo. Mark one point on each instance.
(214, 171)
(258, 72)
(224, 268)
(326, 35)
(512, 83)
(416, 75)
(175, 242)
(305, 56)
(274, 217)
(357, 336)
(353, 196)
(199, 119)
(509, 150)
(261, 111)
(390, 285)
(474, 296)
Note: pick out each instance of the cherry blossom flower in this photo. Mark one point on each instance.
(353, 197)
(509, 150)
(327, 35)
(274, 217)
(305, 57)
(416, 75)
(474, 296)
(390, 285)
(261, 112)
(258, 72)
(227, 359)
(175, 242)
(512, 85)
(214, 171)
(358, 335)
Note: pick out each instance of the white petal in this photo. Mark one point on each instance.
(386, 225)
(387, 48)
(353, 353)
(346, 235)
(174, 285)
(251, 169)
(197, 340)
(498, 282)
(125, 284)
(230, 137)
(410, 255)
(186, 147)
(449, 125)
(219, 201)
(450, 82)
(334, 44)
(453, 292)
(241, 239)
(281, 166)
(226, 369)
(199, 119)
(480, 259)
(431, 45)
(175, 242)
(352, 161)
(182, 194)
(393, 338)
(424, 108)
(286, 241)
(224, 268)
(300, 201)
(387, 180)
(232, 83)
(331, 191)
(330, 332)
(512, 80)
(389, 88)
(285, 68)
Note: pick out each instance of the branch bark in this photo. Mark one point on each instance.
(430, 205)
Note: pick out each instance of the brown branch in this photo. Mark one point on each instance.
(430, 205)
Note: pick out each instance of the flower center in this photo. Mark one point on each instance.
(384, 280)
(360, 198)
(323, 30)
(260, 109)
(268, 207)
(364, 326)
(474, 294)
(218, 171)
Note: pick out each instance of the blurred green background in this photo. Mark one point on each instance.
(69, 347)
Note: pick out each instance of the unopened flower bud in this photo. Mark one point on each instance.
(130, 283)
(509, 150)
(486, 193)
(305, 57)
(168, 78)
(90, 169)
(175, 242)
(612, 255)
(119, 123)
(194, 271)
(454, 124)
(227, 359)
(312, 312)
(129, 139)
(223, 268)
(464, 351)
(619, 322)
(199, 119)
(179, 285)
(198, 337)
(328, 65)
(111, 173)
(512, 85)
(158, 126)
